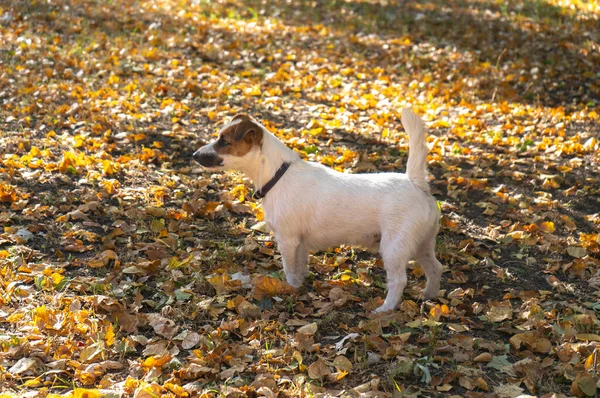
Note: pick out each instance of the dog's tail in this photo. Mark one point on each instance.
(416, 168)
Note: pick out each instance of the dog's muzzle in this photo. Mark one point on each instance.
(207, 157)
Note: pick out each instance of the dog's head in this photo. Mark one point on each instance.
(238, 141)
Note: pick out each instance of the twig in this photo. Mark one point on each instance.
(499, 57)
(496, 67)
(595, 370)
(421, 316)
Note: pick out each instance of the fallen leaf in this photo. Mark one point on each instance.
(483, 357)
(309, 329)
(576, 251)
(318, 370)
(266, 286)
(190, 340)
(23, 365)
(342, 364)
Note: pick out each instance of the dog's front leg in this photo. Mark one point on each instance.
(302, 261)
(293, 251)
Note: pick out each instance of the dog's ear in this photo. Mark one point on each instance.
(241, 116)
(247, 129)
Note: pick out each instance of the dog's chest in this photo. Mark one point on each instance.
(282, 216)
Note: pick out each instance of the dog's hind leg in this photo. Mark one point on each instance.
(431, 266)
(291, 252)
(395, 250)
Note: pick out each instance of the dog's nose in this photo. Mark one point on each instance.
(207, 157)
(196, 156)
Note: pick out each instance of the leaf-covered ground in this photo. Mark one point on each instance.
(127, 270)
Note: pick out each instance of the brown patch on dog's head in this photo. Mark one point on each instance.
(239, 136)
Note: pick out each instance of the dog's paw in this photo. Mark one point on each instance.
(430, 295)
(383, 308)
(296, 283)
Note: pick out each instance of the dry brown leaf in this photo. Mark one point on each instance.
(190, 340)
(309, 329)
(342, 364)
(318, 370)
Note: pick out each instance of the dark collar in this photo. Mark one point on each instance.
(261, 193)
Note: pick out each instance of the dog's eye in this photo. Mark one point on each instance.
(222, 142)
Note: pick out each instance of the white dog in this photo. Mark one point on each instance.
(311, 207)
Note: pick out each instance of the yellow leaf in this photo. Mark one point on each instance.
(137, 137)
(437, 311)
(550, 183)
(341, 375)
(176, 389)
(252, 91)
(547, 226)
(110, 185)
(41, 315)
(15, 317)
(68, 161)
(109, 167)
(257, 211)
(131, 383)
(56, 278)
(441, 123)
(156, 361)
(37, 382)
(35, 152)
(86, 393)
(239, 191)
(589, 362)
(109, 336)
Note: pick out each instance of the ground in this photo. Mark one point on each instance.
(127, 270)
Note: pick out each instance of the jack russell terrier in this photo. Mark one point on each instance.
(311, 207)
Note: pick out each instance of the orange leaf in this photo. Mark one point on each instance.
(7, 193)
(137, 137)
(266, 286)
